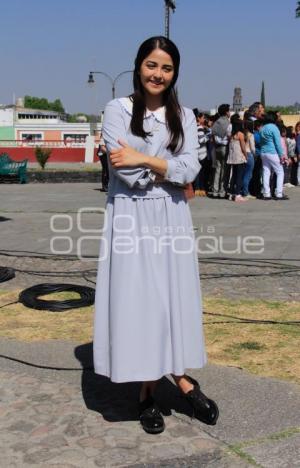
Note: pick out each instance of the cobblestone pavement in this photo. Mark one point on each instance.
(58, 418)
(45, 424)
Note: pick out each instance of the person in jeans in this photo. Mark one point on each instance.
(256, 182)
(221, 131)
(297, 132)
(272, 156)
(250, 150)
(200, 184)
(237, 157)
(291, 146)
(287, 166)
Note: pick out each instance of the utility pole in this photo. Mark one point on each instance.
(169, 5)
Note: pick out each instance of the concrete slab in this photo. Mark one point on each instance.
(26, 212)
(283, 453)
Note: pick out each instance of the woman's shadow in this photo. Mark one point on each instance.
(119, 402)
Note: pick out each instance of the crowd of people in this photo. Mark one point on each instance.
(241, 158)
(250, 157)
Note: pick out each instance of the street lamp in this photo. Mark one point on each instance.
(169, 5)
(113, 81)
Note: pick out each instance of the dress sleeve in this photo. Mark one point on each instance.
(184, 167)
(114, 129)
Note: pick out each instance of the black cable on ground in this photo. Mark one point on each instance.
(40, 366)
(45, 256)
(55, 274)
(6, 274)
(240, 320)
(10, 303)
(287, 273)
(30, 297)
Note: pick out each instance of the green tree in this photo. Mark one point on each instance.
(284, 110)
(298, 10)
(262, 94)
(42, 156)
(33, 102)
(57, 106)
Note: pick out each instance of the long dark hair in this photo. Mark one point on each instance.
(270, 117)
(237, 124)
(170, 100)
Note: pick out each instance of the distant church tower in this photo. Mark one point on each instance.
(237, 100)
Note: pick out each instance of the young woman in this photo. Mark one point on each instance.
(201, 182)
(272, 156)
(287, 166)
(237, 158)
(250, 150)
(148, 303)
(256, 183)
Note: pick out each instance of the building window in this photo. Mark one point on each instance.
(76, 137)
(31, 136)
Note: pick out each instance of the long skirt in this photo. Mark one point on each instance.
(148, 311)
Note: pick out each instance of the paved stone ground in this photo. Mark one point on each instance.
(55, 418)
(49, 425)
(74, 418)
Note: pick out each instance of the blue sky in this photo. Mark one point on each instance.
(48, 48)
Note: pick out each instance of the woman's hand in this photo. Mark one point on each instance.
(126, 156)
(284, 161)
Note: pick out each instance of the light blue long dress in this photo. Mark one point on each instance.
(148, 312)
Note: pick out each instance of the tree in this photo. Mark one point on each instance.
(57, 106)
(298, 10)
(42, 156)
(284, 110)
(262, 94)
(33, 102)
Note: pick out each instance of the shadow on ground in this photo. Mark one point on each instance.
(119, 402)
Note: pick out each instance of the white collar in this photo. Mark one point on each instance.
(159, 114)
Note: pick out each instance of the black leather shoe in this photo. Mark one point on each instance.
(204, 409)
(266, 198)
(150, 417)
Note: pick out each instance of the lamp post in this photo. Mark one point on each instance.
(169, 4)
(113, 81)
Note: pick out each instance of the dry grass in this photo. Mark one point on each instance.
(268, 350)
(21, 323)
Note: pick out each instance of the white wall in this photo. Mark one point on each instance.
(6, 117)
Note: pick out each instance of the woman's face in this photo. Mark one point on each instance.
(156, 72)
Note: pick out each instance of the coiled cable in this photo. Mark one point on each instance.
(6, 274)
(30, 297)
